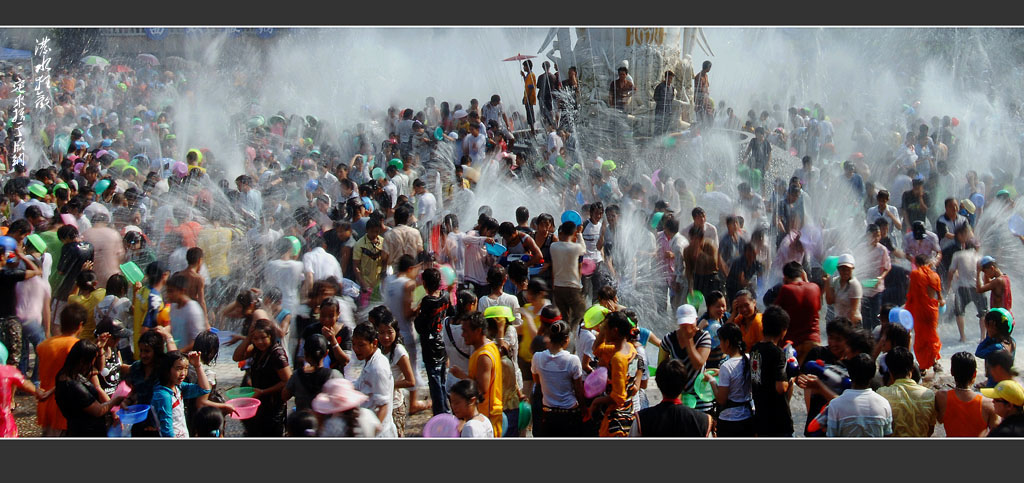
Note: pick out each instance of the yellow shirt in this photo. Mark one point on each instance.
(913, 408)
(530, 85)
(491, 405)
(619, 374)
(89, 302)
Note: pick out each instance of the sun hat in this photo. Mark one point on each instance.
(1008, 390)
(337, 395)
(498, 311)
(846, 260)
(686, 314)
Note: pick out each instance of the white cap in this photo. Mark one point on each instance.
(461, 113)
(846, 260)
(686, 314)
(454, 135)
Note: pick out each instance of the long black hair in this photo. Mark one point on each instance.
(78, 361)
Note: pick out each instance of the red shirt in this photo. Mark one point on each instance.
(802, 301)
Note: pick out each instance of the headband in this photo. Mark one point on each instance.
(551, 320)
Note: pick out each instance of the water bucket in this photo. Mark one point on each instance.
(496, 249)
(588, 267)
(573, 217)
(296, 245)
(1016, 225)
(594, 316)
(703, 388)
(830, 265)
(439, 133)
(596, 382)
(894, 315)
(245, 407)
(122, 390)
(444, 425)
(240, 392)
(132, 272)
(869, 283)
(906, 319)
(696, 299)
(133, 414)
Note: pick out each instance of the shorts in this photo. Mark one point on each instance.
(966, 295)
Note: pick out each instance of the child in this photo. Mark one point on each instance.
(88, 294)
(614, 351)
(375, 380)
(732, 389)
(465, 396)
(499, 318)
(10, 379)
(109, 333)
(207, 423)
(148, 301)
(307, 382)
(434, 307)
(401, 368)
(339, 336)
(187, 316)
(282, 317)
(207, 344)
(711, 321)
(559, 376)
(770, 386)
(998, 327)
(117, 306)
(169, 395)
(269, 374)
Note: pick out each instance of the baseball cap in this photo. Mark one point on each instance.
(112, 326)
(846, 260)
(686, 314)
(987, 260)
(1008, 390)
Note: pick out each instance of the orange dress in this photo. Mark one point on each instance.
(51, 353)
(925, 310)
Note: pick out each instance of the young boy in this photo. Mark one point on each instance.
(995, 281)
(859, 411)
(187, 319)
(963, 412)
(370, 261)
(195, 286)
(671, 418)
(434, 308)
(913, 405)
(496, 278)
(770, 387)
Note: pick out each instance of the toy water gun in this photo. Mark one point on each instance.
(792, 366)
(836, 381)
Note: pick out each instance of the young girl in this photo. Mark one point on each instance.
(559, 376)
(10, 379)
(143, 376)
(170, 395)
(208, 423)
(458, 351)
(465, 395)
(401, 369)
(375, 381)
(616, 353)
(341, 403)
(270, 372)
(307, 382)
(207, 344)
(732, 390)
(77, 397)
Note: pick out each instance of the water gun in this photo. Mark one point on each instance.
(836, 381)
(792, 366)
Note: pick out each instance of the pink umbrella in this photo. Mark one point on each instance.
(519, 57)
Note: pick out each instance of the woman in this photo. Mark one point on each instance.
(375, 380)
(691, 346)
(614, 351)
(77, 397)
(269, 373)
(845, 292)
(732, 386)
(559, 375)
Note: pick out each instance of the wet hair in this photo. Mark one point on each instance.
(473, 321)
(207, 422)
(792, 270)
(1001, 324)
(496, 275)
(467, 389)
(365, 331)
(273, 294)
(153, 340)
(859, 340)
(838, 327)
(315, 347)
(862, 369)
(1002, 359)
(406, 262)
(517, 272)
(775, 321)
(897, 335)
(80, 359)
(207, 344)
(67, 232)
(86, 280)
(402, 214)
(117, 285)
(713, 297)
(155, 271)
(264, 325)
(431, 279)
(963, 366)
(671, 224)
(671, 377)
(380, 314)
(193, 255)
(506, 229)
(900, 362)
(566, 229)
(522, 214)
(165, 364)
(607, 292)
(620, 323)
(328, 303)
(558, 333)
(302, 424)
(387, 321)
(178, 281)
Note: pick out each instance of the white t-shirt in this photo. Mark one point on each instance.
(965, 264)
(394, 296)
(453, 344)
(505, 299)
(475, 428)
(378, 384)
(591, 235)
(565, 263)
(585, 342)
(891, 213)
(427, 209)
(187, 322)
(321, 264)
(557, 373)
(730, 374)
(396, 372)
(393, 192)
(286, 275)
(178, 415)
(859, 413)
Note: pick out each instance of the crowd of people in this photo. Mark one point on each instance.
(355, 299)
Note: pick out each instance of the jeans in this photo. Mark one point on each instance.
(869, 308)
(31, 334)
(437, 374)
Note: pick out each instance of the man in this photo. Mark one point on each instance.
(405, 132)
(567, 293)
(921, 241)
(752, 202)
(790, 214)
(547, 84)
(913, 405)
(318, 264)
(195, 284)
(962, 276)
(731, 245)
(915, 202)
(187, 319)
(947, 224)
(845, 292)
(923, 300)
(495, 111)
(370, 261)
(958, 409)
(1008, 399)
(529, 93)
(881, 264)
(859, 411)
(664, 96)
(801, 300)
(759, 152)
(474, 145)
(671, 245)
(477, 261)
(252, 200)
(426, 204)
(884, 210)
(620, 91)
(996, 282)
(770, 386)
(854, 179)
(402, 239)
(701, 94)
(807, 173)
(671, 418)
(700, 219)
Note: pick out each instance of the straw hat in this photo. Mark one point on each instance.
(338, 395)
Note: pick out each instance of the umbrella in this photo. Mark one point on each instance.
(95, 60)
(519, 57)
(148, 59)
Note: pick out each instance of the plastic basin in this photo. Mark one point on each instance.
(496, 249)
(245, 407)
(240, 392)
(573, 217)
(444, 425)
(132, 272)
(133, 414)
(596, 382)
